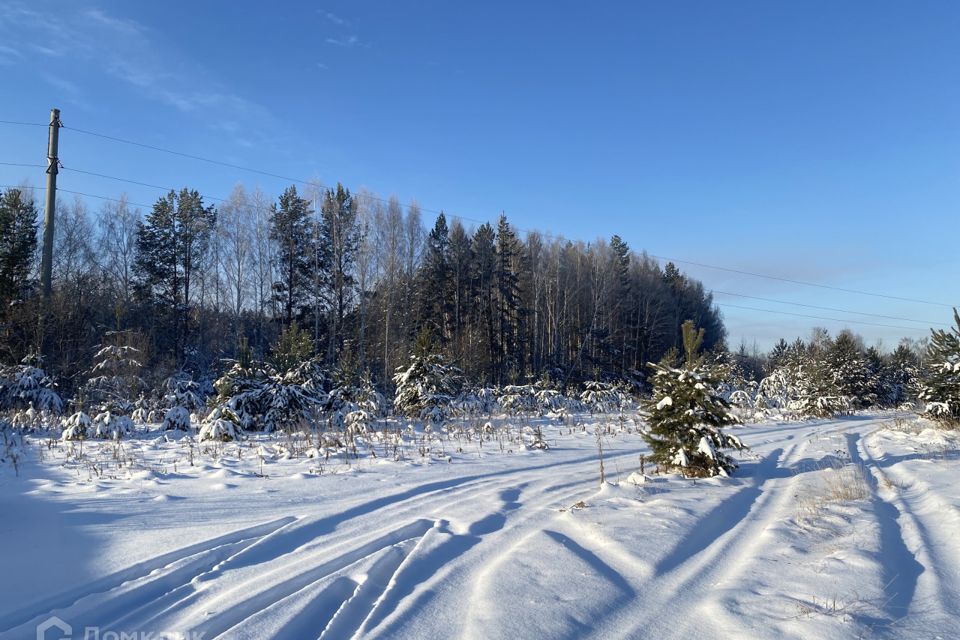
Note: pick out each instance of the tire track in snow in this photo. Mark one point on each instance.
(462, 491)
(717, 547)
(483, 536)
(939, 573)
(288, 555)
(900, 570)
(149, 590)
(336, 602)
(153, 575)
(683, 568)
(363, 605)
(234, 614)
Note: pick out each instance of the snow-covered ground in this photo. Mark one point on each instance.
(830, 529)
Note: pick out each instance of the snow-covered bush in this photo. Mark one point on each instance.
(601, 397)
(221, 425)
(113, 377)
(426, 387)
(76, 427)
(549, 401)
(27, 385)
(518, 399)
(357, 422)
(803, 386)
(141, 414)
(473, 403)
(359, 395)
(176, 419)
(110, 425)
(467, 404)
(852, 376)
(287, 406)
(940, 386)
(740, 399)
(29, 419)
(264, 400)
(183, 391)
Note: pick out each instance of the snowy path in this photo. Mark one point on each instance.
(494, 548)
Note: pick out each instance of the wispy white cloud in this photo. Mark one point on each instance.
(62, 84)
(332, 17)
(125, 50)
(120, 25)
(344, 41)
(9, 55)
(50, 52)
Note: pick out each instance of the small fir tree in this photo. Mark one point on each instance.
(427, 386)
(114, 376)
(940, 388)
(293, 347)
(686, 415)
(902, 374)
(851, 370)
(28, 386)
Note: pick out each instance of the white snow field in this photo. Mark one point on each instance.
(832, 529)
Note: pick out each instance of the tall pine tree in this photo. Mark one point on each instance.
(290, 229)
(18, 244)
(484, 287)
(339, 240)
(509, 302)
(435, 290)
(172, 242)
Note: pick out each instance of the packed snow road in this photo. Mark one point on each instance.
(829, 529)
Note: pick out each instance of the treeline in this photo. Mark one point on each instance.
(188, 285)
(825, 376)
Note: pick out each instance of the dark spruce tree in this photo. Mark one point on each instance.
(170, 248)
(461, 259)
(435, 282)
(290, 229)
(940, 389)
(509, 303)
(851, 371)
(902, 374)
(18, 245)
(339, 239)
(686, 415)
(623, 304)
(484, 304)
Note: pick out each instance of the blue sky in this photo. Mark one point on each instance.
(816, 141)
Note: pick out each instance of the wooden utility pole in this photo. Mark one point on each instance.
(53, 164)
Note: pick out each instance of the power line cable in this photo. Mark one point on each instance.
(91, 195)
(136, 182)
(803, 315)
(25, 124)
(801, 282)
(188, 155)
(835, 309)
(79, 193)
(24, 164)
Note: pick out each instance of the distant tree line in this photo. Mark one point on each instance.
(188, 284)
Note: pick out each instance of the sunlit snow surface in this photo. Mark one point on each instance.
(830, 529)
